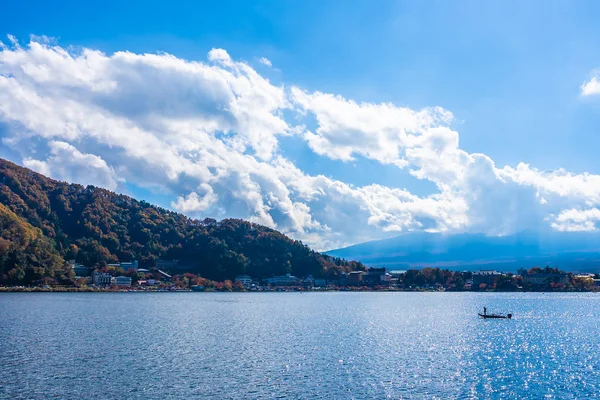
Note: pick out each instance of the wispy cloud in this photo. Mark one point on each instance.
(265, 61)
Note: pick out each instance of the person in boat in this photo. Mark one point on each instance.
(484, 311)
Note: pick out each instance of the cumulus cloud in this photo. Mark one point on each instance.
(194, 203)
(378, 131)
(592, 86)
(574, 220)
(66, 163)
(207, 133)
(219, 55)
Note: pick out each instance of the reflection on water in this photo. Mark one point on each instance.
(315, 345)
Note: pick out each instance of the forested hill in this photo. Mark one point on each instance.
(44, 222)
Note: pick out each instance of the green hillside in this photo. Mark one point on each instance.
(45, 221)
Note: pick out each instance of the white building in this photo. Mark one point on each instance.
(244, 280)
(122, 281)
(283, 280)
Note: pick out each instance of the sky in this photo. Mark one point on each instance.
(333, 122)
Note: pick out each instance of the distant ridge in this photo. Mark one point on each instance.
(571, 251)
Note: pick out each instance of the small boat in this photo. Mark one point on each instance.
(485, 315)
(495, 316)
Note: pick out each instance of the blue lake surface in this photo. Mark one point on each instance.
(331, 345)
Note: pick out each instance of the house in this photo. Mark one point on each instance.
(122, 281)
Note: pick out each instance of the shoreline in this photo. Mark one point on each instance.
(114, 290)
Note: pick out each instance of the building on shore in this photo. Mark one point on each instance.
(376, 277)
(122, 281)
(354, 278)
(101, 278)
(485, 276)
(283, 280)
(245, 280)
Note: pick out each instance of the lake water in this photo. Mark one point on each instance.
(292, 345)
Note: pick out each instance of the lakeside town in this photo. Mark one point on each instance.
(127, 276)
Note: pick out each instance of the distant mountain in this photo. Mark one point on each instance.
(571, 251)
(44, 222)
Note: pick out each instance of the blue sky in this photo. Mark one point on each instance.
(509, 72)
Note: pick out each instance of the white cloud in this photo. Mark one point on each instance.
(265, 61)
(574, 220)
(377, 131)
(207, 134)
(219, 55)
(66, 163)
(194, 203)
(592, 86)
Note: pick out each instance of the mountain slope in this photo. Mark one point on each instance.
(96, 226)
(575, 251)
(23, 245)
